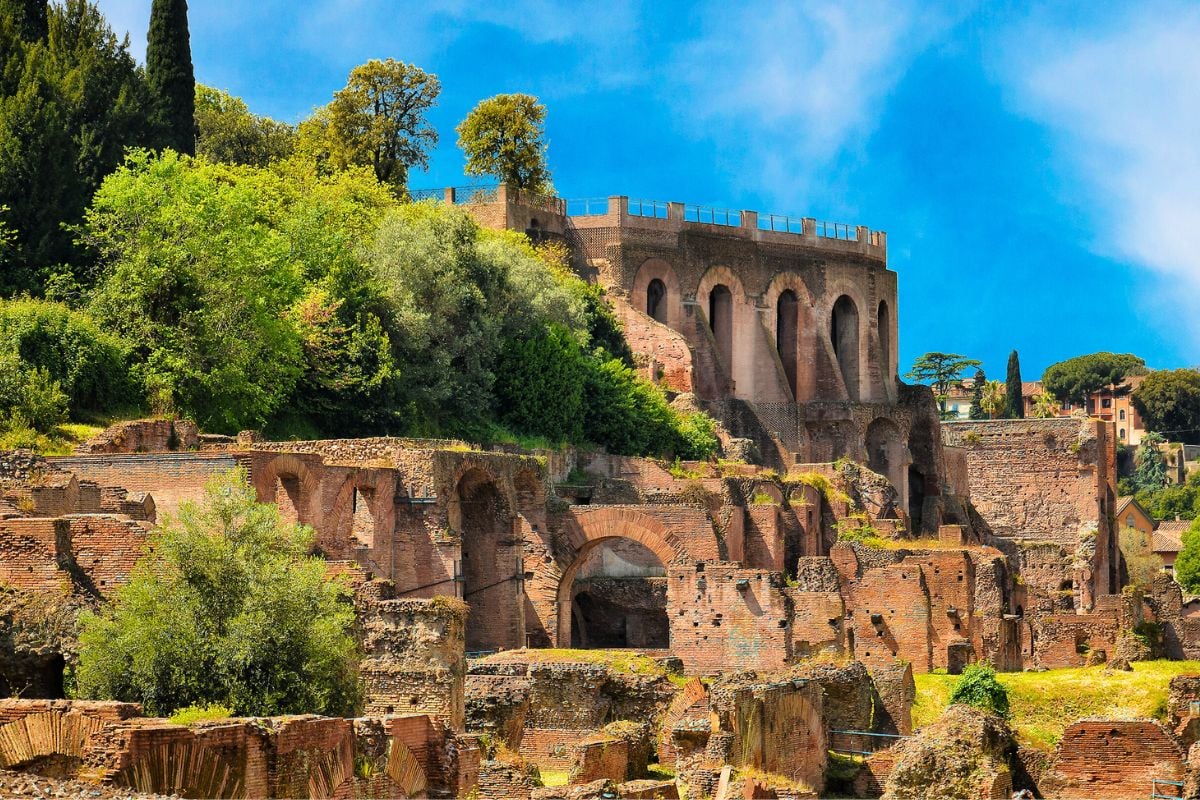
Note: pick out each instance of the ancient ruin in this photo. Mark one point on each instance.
(775, 604)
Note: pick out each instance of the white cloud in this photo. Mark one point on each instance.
(796, 84)
(1121, 106)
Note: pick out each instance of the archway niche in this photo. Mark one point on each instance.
(287, 497)
(362, 518)
(844, 335)
(720, 322)
(656, 300)
(787, 332)
(883, 321)
(618, 596)
(491, 564)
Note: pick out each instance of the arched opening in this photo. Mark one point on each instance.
(363, 520)
(884, 326)
(787, 330)
(618, 597)
(720, 322)
(843, 334)
(656, 300)
(916, 497)
(492, 580)
(287, 497)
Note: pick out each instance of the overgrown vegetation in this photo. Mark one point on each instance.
(1043, 704)
(978, 687)
(229, 609)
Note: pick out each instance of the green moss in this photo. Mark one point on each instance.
(194, 714)
(763, 499)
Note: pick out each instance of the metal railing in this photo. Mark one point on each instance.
(656, 209)
(881, 741)
(417, 195)
(780, 223)
(837, 230)
(473, 195)
(712, 216)
(1175, 787)
(587, 207)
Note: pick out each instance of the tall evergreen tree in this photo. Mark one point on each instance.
(27, 16)
(1014, 399)
(170, 76)
(977, 411)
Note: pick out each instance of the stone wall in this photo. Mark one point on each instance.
(144, 436)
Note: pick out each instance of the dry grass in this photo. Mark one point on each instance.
(617, 660)
(1043, 704)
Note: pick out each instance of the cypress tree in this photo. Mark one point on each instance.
(170, 76)
(1013, 400)
(977, 411)
(28, 18)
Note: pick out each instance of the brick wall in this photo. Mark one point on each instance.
(598, 758)
(1113, 759)
(170, 478)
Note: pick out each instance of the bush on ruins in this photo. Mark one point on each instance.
(979, 687)
(228, 608)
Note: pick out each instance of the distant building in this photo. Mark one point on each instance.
(959, 397)
(1108, 404)
(1130, 514)
(1168, 541)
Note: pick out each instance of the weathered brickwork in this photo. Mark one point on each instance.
(1112, 759)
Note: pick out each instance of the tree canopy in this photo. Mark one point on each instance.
(1076, 378)
(228, 608)
(1169, 402)
(379, 120)
(940, 371)
(170, 77)
(227, 131)
(504, 137)
(1187, 563)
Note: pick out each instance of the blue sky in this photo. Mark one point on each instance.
(1037, 168)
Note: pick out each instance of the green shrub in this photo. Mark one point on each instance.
(200, 713)
(539, 384)
(29, 397)
(978, 687)
(88, 363)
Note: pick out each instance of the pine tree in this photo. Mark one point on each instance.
(977, 411)
(27, 16)
(1014, 400)
(1151, 472)
(170, 76)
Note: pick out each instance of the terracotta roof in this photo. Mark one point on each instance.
(1166, 541)
(1031, 388)
(1174, 526)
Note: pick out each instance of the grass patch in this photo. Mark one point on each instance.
(1043, 704)
(617, 660)
(660, 772)
(193, 714)
(554, 777)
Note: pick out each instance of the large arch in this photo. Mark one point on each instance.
(619, 597)
(669, 306)
(795, 336)
(887, 453)
(734, 329)
(491, 569)
(291, 486)
(603, 525)
(47, 743)
(845, 334)
(787, 336)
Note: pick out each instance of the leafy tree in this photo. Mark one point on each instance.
(170, 76)
(503, 137)
(29, 397)
(88, 363)
(228, 608)
(979, 687)
(539, 383)
(1076, 378)
(378, 120)
(1014, 392)
(1173, 501)
(226, 130)
(71, 105)
(940, 371)
(1169, 402)
(1151, 472)
(28, 18)
(195, 280)
(1141, 563)
(980, 381)
(1045, 406)
(994, 401)
(1187, 563)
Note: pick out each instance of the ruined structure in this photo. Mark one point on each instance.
(853, 541)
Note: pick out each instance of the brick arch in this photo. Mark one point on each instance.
(529, 490)
(605, 524)
(652, 269)
(363, 525)
(867, 351)
(797, 349)
(732, 325)
(49, 733)
(273, 485)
